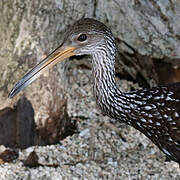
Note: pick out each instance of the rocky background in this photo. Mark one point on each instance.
(147, 34)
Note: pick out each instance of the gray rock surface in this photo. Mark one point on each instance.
(151, 27)
(17, 125)
(29, 30)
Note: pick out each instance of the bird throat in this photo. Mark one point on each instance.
(104, 85)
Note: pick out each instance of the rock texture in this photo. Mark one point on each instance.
(17, 125)
(29, 30)
(150, 28)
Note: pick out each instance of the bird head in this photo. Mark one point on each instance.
(85, 36)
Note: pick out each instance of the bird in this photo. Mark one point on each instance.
(155, 112)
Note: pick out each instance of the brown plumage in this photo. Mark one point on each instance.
(155, 112)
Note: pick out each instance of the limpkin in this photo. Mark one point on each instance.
(155, 112)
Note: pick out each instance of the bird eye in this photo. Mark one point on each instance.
(82, 37)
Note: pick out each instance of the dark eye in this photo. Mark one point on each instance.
(82, 37)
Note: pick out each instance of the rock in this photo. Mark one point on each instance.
(29, 31)
(17, 125)
(151, 29)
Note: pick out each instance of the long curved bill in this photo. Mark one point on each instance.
(56, 56)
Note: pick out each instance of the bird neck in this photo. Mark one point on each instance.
(108, 96)
(153, 112)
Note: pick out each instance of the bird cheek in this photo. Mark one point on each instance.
(79, 52)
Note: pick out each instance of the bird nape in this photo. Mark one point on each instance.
(154, 112)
